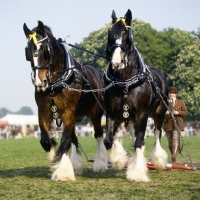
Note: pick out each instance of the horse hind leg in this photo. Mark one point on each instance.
(101, 157)
(50, 146)
(132, 131)
(76, 160)
(158, 155)
(116, 152)
(51, 154)
(137, 168)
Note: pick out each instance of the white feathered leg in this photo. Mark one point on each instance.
(158, 155)
(77, 161)
(65, 171)
(117, 154)
(101, 158)
(137, 167)
(50, 158)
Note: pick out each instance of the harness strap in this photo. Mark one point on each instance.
(134, 81)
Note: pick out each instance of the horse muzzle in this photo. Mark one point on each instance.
(40, 85)
(117, 66)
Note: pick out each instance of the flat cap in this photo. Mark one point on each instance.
(173, 89)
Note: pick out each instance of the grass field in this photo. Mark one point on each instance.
(24, 174)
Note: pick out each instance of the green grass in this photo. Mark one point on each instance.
(24, 174)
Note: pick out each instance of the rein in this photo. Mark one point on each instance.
(97, 55)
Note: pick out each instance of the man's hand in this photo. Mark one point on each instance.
(175, 112)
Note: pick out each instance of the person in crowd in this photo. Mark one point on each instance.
(179, 110)
(188, 130)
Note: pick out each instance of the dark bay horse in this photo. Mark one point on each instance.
(64, 86)
(132, 98)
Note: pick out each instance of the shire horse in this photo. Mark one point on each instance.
(61, 85)
(132, 97)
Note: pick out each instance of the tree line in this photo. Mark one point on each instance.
(25, 110)
(175, 52)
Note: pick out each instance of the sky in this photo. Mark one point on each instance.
(77, 18)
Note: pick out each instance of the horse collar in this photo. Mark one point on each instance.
(68, 69)
(133, 82)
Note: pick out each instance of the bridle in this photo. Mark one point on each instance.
(143, 70)
(111, 48)
(47, 51)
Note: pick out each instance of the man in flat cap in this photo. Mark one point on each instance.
(179, 111)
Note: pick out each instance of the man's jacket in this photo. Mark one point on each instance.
(168, 124)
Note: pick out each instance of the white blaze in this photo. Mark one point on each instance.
(116, 58)
(35, 60)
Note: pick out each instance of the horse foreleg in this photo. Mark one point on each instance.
(49, 145)
(64, 171)
(158, 155)
(51, 154)
(116, 152)
(137, 167)
(101, 158)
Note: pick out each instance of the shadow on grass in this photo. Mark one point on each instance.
(44, 172)
(110, 173)
(194, 190)
(31, 172)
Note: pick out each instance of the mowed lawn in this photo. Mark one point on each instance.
(24, 174)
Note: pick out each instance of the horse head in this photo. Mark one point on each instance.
(120, 40)
(40, 54)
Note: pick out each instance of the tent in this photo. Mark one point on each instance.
(20, 120)
(13, 119)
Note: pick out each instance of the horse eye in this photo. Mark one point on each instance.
(115, 36)
(35, 53)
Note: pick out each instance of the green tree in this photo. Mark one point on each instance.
(177, 40)
(25, 110)
(153, 45)
(186, 75)
(96, 43)
(3, 112)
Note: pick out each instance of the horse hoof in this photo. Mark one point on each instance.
(173, 159)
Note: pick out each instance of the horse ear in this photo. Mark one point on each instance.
(128, 17)
(27, 31)
(114, 17)
(41, 27)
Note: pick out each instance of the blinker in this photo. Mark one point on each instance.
(35, 53)
(27, 53)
